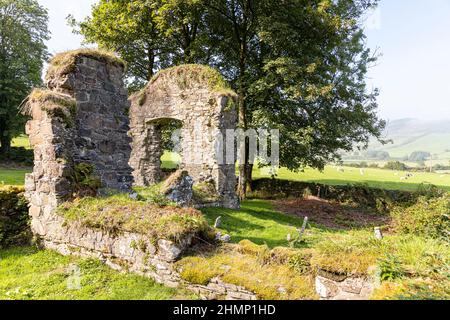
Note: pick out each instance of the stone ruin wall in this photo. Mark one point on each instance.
(82, 117)
(95, 133)
(176, 94)
(136, 253)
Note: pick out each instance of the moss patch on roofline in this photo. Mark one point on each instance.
(44, 95)
(271, 274)
(55, 104)
(64, 62)
(196, 73)
(118, 213)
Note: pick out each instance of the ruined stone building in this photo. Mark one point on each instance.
(84, 120)
(196, 97)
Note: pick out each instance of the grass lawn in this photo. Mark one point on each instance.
(409, 267)
(21, 141)
(377, 178)
(15, 177)
(29, 274)
(257, 221)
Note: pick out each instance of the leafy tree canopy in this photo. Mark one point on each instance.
(23, 31)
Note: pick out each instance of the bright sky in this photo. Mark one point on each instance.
(413, 37)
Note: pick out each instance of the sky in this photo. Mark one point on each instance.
(412, 37)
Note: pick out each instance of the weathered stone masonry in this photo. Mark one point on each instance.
(80, 118)
(190, 95)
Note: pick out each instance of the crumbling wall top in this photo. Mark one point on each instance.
(185, 77)
(65, 62)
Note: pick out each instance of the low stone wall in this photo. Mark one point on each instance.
(378, 199)
(218, 289)
(134, 253)
(352, 288)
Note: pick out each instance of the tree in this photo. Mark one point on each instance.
(396, 165)
(149, 34)
(297, 65)
(23, 31)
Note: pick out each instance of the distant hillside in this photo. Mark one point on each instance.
(410, 135)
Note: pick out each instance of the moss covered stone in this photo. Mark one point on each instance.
(119, 213)
(189, 74)
(65, 62)
(55, 104)
(242, 265)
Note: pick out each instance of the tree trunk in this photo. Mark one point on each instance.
(244, 163)
(249, 180)
(5, 141)
(245, 168)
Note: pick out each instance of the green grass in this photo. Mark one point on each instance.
(256, 221)
(170, 160)
(30, 274)
(14, 177)
(376, 178)
(21, 141)
(403, 262)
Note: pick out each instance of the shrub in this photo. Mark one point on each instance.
(429, 191)
(14, 219)
(18, 156)
(85, 182)
(390, 268)
(360, 194)
(153, 194)
(429, 217)
(205, 193)
(396, 165)
(419, 156)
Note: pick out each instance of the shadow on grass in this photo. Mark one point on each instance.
(17, 252)
(257, 221)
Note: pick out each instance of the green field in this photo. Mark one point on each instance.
(377, 178)
(21, 141)
(14, 177)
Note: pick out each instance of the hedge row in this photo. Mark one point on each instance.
(14, 219)
(379, 199)
(17, 156)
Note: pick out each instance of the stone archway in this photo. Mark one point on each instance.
(150, 167)
(198, 97)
